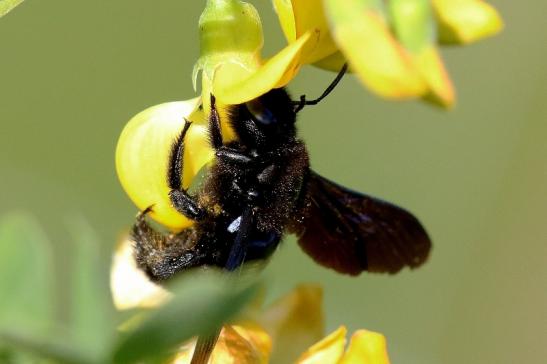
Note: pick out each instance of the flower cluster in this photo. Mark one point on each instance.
(391, 46)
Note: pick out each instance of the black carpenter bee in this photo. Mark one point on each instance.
(261, 187)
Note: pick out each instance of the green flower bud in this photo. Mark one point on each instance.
(230, 33)
(229, 26)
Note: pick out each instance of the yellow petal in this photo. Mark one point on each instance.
(327, 351)
(130, 287)
(413, 26)
(366, 347)
(297, 17)
(294, 322)
(372, 52)
(235, 85)
(236, 67)
(235, 348)
(441, 90)
(285, 14)
(466, 21)
(259, 339)
(142, 156)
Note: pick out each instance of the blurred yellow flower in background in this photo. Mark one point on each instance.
(290, 330)
(465, 21)
(390, 45)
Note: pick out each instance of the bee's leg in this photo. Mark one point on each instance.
(215, 131)
(161, 256)
(222, 152)
(186, 205)
(181, 200)
(234, 157)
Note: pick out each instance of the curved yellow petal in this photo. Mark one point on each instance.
(285, 14)
(235, 85)
(327, 351)
(379, 61)
(366, 347)
(294, 322)
(466, 21)
(413, 25)
(310, 15)
(441, 89)
(235, 348)
(142, 156)
(259, 339)
(297, 17)
(130, 287)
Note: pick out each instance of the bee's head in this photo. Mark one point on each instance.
(266, 121)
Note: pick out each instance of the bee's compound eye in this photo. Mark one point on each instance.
(260, 113)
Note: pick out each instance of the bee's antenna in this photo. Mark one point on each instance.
(299, 105)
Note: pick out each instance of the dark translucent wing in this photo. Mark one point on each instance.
(351, 232)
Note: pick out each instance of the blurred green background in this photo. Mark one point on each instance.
(74, 72)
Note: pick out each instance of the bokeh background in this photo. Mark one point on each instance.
(74, 72)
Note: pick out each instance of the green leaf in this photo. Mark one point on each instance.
(10, 356)
(25, 273)
(8, 5)
(61, 351)
(91, 311)
(203, 301)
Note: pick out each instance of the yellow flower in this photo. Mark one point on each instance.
(142, 156)
(288, 331)
(391, 46)
(232, 68)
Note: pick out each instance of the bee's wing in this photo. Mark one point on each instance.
(351, 232)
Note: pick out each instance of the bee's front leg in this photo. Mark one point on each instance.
(180, 199)
(224, 153)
